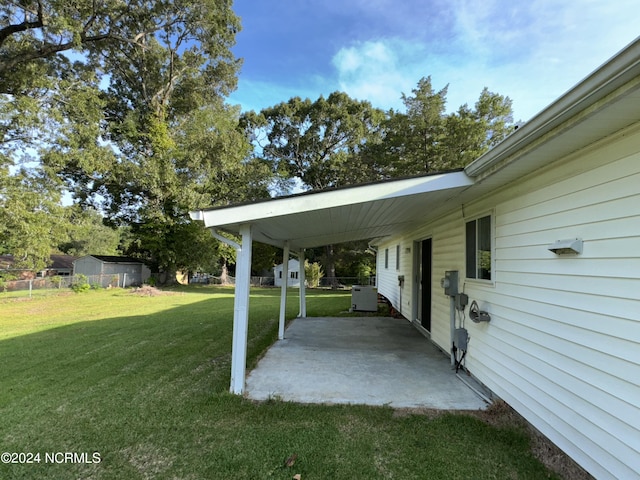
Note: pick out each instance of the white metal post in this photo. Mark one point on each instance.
(241, 312)
(303, 290)
(283, 291)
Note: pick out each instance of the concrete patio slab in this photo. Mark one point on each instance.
(359, 360)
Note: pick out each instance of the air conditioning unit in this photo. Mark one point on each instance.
(364, 298)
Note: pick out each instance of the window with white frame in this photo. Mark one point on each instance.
(478, 248)
(294, 275)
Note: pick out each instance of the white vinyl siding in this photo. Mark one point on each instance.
(562, 346)
(447, 236)
(387, 279)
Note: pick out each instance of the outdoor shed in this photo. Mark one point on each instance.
(112, 270)
(523, 267)
(293, 279)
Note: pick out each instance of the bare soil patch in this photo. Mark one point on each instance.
(149, 291)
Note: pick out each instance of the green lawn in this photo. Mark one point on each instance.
(142, 382)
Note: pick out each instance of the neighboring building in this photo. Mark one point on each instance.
(59, 265)
(294, 274)
(107, 270)
(544, 234)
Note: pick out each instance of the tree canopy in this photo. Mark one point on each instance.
(123, 105)
(425, 138)
(317, 142)
(337, 141)
(342, 141)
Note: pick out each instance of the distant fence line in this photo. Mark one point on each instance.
(61, 282)
(124, 280)
(325, 282)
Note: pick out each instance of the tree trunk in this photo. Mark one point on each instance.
(224, 275)
(168, 276)
(331, 267)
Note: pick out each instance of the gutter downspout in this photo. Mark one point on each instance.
(452, 328)
(226, 240)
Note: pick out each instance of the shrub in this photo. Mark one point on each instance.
(313, 273)
(4, 279)
(56, 281)
(80, 284)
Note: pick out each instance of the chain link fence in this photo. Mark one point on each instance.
(325, 282)
(46, 284)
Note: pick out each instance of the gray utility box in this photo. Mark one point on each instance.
(364, 298)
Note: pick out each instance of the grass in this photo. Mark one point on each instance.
(143, 382)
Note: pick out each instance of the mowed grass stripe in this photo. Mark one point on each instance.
(144, 381)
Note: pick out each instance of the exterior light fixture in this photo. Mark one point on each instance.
(567, 247)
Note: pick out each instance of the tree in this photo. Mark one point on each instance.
(31, 218)
(317, 142)
(470, 133)
(40, 38)
(87, 234)
(426, 139)
(313, 273)
(136, 123)
(424, 130)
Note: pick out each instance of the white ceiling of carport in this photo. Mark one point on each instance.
(355, 213)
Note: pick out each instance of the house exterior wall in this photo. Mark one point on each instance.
(562, 343)
(294, 267)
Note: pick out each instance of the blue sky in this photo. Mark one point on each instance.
(375, 50)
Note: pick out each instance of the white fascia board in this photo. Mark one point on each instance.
(307, 202)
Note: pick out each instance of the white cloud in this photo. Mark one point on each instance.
(377, 71)
(533, 52)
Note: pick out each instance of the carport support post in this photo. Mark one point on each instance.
(303, 290)
(241, 312)
(283, 291)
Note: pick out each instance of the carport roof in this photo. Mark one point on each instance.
(339, 215)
